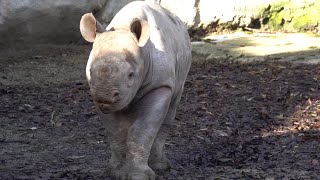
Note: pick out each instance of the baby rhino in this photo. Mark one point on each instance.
(136, 72)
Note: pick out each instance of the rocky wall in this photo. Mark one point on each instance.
(27, 22)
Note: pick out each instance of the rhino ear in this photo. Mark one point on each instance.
(140, 29)
(89, 27)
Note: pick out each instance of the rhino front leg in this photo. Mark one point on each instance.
(158, 160)
(117, 127)
(118, 154)
(150, 113)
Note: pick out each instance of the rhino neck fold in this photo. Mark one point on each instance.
(148, 68)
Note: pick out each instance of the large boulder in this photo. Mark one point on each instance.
(214, 15)
(293, 15)
(196, 13)
(109, 10)
(27, 22)
(186, 10)
(230, 12)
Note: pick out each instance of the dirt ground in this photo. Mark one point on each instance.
(258, 120)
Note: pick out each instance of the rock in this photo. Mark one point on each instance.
(293, 15)
(109, 10)
(186, 10)
(34, 22)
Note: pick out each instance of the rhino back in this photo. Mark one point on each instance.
(169, 48)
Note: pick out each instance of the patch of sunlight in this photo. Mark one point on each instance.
(306, 118)
(283, 43)
(263, 44)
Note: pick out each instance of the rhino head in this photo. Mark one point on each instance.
(116, 68)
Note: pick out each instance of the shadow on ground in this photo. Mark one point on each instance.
(235, 121)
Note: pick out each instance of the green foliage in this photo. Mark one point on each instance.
(292, 15)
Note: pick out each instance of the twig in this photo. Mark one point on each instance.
(51, 120)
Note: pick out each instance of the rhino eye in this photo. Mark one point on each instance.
(131, 75)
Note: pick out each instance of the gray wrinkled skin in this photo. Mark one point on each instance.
(137, 86)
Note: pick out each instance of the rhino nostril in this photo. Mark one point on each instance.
(116, 95)
(108, 98)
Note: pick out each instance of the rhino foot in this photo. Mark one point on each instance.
(160, 165)
(131, 172)
(114, 169)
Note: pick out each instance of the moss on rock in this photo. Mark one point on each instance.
(292, 15)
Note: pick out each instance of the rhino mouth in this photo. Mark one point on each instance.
(104, 108)
(105, 111)
(108, 108)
